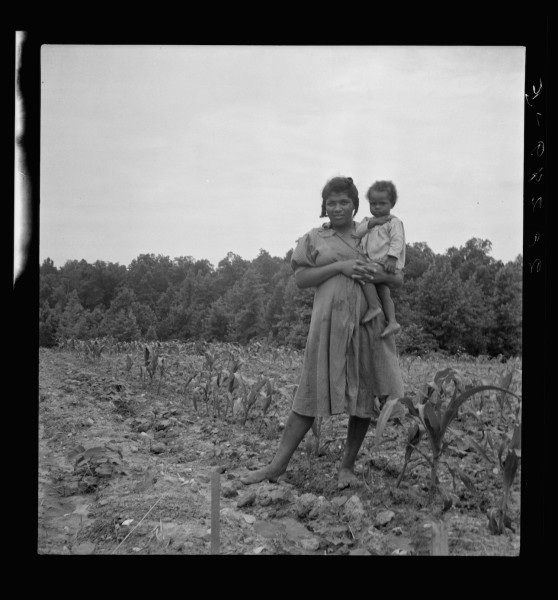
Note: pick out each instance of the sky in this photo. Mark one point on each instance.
(203, 150)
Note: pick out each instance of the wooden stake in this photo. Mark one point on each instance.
(215, 510)
(439, 539)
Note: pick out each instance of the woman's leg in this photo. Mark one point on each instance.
(295, 429)
(356, 431)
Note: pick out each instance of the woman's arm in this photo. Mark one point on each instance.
(370, 274)
(356, 269)
(313, 276)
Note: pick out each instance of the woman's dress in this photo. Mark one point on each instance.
(346, 364)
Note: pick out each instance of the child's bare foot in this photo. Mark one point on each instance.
(346, 479)
(391, 329)
(370, 314)
(262, 475)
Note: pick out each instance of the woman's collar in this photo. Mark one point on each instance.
(328, 231)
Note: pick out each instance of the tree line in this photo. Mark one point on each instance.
(460, 301)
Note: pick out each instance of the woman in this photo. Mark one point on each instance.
(346, 364)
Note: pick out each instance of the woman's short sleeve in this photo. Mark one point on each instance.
(304, 254)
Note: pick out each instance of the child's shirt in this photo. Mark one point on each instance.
(383, 240)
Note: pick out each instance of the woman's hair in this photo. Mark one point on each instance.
(384, 186)
(339, 185)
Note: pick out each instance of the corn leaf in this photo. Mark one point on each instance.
(516, 438)
(444, 375)
(466, 480)
(383, 419)
(432, 421)
(413, 434)
(453, 406)
(75, 452)
(510, 468)
(410, 406)
(146, 355)
(494, 521)
(505, 380)
(94, 452)
(473, 444)
(413, 438)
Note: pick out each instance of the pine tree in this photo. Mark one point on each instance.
(73, 322)
(218, 322)
(119, 320)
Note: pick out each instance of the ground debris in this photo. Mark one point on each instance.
(142, 464)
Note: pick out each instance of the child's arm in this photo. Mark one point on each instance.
(368, 223)
(396, 241)
(378, 221)
(390, 265)
(362, 228)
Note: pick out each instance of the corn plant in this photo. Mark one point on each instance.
(414, 435)
(162, 364)
(149, 361)
(509, 454)
(267, 401)
(189, 379)
(231, 380)
(252, 396)
(435, 411)
(205, 381)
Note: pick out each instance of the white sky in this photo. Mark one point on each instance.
(201, 150)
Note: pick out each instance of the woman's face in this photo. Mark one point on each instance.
(339, 208)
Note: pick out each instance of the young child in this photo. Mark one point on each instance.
(383, 242)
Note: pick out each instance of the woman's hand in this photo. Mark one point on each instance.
(349, 267)
(364, 271)
(354, 268)
(373, 273)
(314, 276)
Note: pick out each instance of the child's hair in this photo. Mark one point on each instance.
(384, 186)
(339, 185)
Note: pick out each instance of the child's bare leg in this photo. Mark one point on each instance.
(374, 308)
(389, 310)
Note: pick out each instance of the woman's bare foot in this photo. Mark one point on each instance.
(346, 479)
(261, 475)
(370, 314)
(391, 329)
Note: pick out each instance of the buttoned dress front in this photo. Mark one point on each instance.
(346, 364)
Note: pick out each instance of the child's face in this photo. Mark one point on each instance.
(380, 205)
